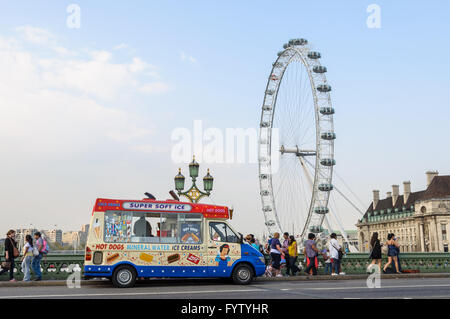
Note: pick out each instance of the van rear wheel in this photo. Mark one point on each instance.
(124, 277)
(242, 274)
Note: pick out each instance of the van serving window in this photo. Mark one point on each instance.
(152, 227)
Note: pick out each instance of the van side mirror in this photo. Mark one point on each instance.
(241, 238)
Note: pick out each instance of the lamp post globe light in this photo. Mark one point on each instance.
(193, 194)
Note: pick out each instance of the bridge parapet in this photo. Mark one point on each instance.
(55, 266)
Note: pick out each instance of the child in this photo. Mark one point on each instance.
(327, 257)
(269, 271)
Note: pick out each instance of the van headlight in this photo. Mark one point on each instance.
(263, 260)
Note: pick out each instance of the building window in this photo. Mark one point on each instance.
(445, 248)
(444, 231)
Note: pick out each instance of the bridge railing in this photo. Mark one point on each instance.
(56, 266)
(357, 263)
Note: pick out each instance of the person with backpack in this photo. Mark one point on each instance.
(42, 247)
(11, 253)
(27, 258)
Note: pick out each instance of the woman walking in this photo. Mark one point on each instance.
(375, 253)
(392, 253)
(11, 253)
(27, 258)
(276, 252)
(292, 258)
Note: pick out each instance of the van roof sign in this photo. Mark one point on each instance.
(157, 206)
(172, 206)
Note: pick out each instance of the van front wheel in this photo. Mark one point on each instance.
(242, 274)
(124, 277)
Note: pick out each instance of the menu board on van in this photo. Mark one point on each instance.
(190, 233)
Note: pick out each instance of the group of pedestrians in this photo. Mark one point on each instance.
(332, 256)
(32, 253)
(391, 248)
(284, 254)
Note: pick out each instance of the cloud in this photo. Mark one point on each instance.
(185, 57)
(151, 149)
(60, 102)
(155, 87)
(35, 35)
(120, 46)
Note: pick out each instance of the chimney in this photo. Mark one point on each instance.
(430, 176)
(406, 191)
(395, 192)
(388, 195)
(376, 199)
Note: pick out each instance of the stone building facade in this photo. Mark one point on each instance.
(421, 220)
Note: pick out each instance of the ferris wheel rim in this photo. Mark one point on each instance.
(292, 52)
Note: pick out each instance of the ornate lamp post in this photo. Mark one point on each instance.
(193, 193)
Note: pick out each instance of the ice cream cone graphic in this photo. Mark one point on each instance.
(97, 228)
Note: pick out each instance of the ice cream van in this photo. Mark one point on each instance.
(131, 239)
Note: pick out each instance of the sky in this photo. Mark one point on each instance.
(89, 111)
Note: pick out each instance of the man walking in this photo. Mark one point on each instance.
(311, 252)
(41, 246)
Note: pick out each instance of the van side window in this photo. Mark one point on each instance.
(222, 232)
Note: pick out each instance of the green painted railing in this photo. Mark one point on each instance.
(53, 266)
(358, 263)
(56, 266)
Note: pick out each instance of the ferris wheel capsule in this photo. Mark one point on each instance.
(328, 162)
(319, 69)
(326, 111)
(326, 187)
(314, 55)
(328, 136)
(321, 210)
(324, 88)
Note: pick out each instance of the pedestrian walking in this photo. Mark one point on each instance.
(375, 253)
(42, 247)
(397, 247)
(311, 252)
(276, 252)
(11, 253)
(392, 253)
(27, 258)
(292, 268)
(335, 254)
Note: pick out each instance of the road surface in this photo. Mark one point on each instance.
(214, 289)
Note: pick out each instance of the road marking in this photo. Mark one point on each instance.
(349, 288)
(130, 294)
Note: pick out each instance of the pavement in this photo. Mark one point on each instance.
(320, 287)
